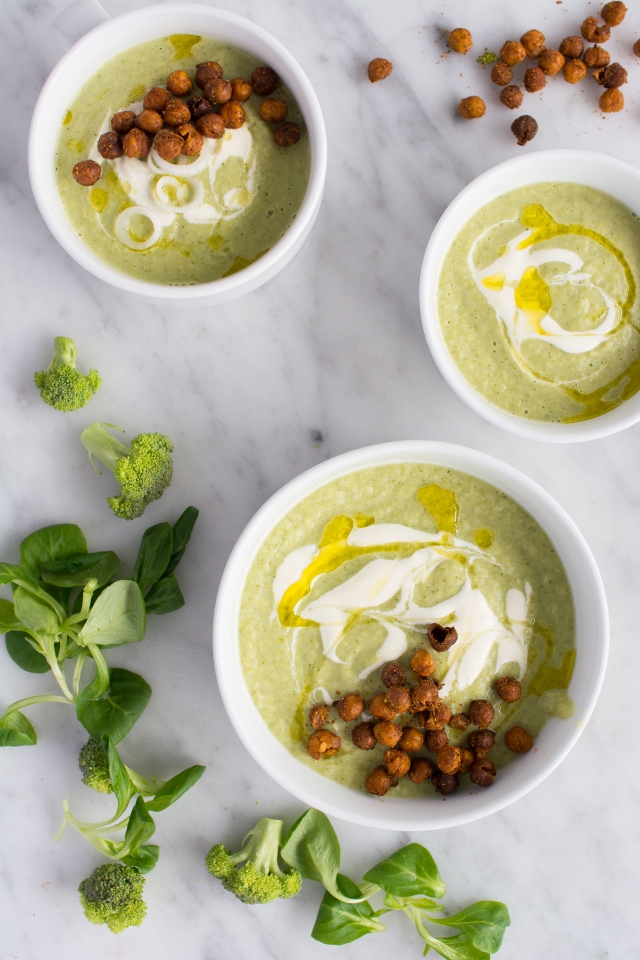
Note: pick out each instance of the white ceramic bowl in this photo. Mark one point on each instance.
(111, 38)
(573, 166)
(555, 740)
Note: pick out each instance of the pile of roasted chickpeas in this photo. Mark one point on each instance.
(177, 126)
(571, 58)
(432, 715)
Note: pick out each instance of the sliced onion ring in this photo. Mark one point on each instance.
(158, 165)
(196, 189)
(122, 228)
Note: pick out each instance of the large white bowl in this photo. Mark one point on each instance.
(619, 179)
(555, 740)
(117, 35)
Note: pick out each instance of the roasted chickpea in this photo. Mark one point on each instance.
(508, 689)
(444, 783)
(156, 99)
(598, 75)
(136, 143)
(399, 698)
(420, 770)
(460, 40)
(150, 121)
(501, 74)
(636, 48)
(449, 759)
(435, 740)
(176, 112)
(379, 781)
(179, 83)
(411, 740)
(524, 129)
(393, 675)
(381, 708)
(511, 97)
(613, 13)
(436, 717)
(482, 772)
(572, 47)
(192, 139)
(422, 663)
(512, 52)
(233, 115)
(218, 91)
(379, 69)
(123, 121)
(323, 743)
(534, 80)
(87, 172)
(441, 638)
(551, 62)
(614, 75)
(319, 712)
(210, 125)
(350, 707)
(595, 57)
(199, 106)
(109, 146)
(574, 71)
(471, 108)
(594, 33)
(210, 70)
(424, 694)
(467, 758)
(387, 733)
(518, 740)
(533, 43)
(460, 721)
(363, 737)
(397, 762)
(612, 101)
(241, 90)
(287, 134)
(273, 110)
(264, 81)
(481, 713)
(168, 144)
(481, 742)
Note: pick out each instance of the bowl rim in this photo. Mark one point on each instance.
(626, 415)
(243, 713)
(259, 271)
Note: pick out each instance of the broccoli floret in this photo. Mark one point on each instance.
(260, 880)
(113, 895)
(61, 385)
(143, 469)
(94, 767)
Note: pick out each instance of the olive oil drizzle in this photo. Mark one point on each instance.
(442, 505)
(183, 44)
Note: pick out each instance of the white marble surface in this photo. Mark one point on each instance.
(327, 357)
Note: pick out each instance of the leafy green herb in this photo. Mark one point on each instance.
(410, 872)
(486, 58)
(339, 922)
(112, 711)
(313, 848)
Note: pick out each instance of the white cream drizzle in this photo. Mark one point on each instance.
(147, 183)
(481, 633)
(519, 324)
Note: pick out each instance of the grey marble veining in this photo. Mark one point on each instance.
(327, 357)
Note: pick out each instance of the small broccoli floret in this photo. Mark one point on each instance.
(143, 469)
(61, 385)
(113, 895)
(94, 767)
(260, 880)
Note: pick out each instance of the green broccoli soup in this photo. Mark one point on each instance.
(537, 302)
(381, 564)
(175, 167)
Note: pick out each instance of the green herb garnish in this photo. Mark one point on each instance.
(488, 58)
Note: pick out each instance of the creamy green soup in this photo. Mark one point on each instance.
(353, 575)
(180, 228)
(538, 305)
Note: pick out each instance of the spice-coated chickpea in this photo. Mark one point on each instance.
(387, 733)
(241, 89)
(199, 106)
(449, 759)
(574, 71)
(150, 121)
(379, 69)
(179, 83)
(420, 770)
(411, 740)
(233, 115)
(87, 172)
(381, 709)
(123, 121)
(481, 742)
(444, 783)
(512, 52)
(156, 99)
(595, 57)
(501, 74)
(323, 743)
(572, 47)
(218, 90)
(481, 713)
(472, 108)
(319, 712)
(467, 758)
(524, 129)
(350, 707)
(264, 81)
(551, 62)
(460, 40)
(379, 781)
(168, 144)
(511, 97)
(593, 32)
(518, 740)
(613, 13)
(176, 112)
(612, 101)
(534, 80)
(209, 70)
(109, 146)
(273, 110)
(363, 737)
(393, 675)
(460, 721)
(424, 694)
(441, 638)
(399, 698)
(435, 740)
(287, 134)
(508, 689)
(482, 772)
(435, 717)
(210, 125)
(136, 143)
(422, 663)
(533, 42)
(636, 48)
(614, 75)
(397, 762)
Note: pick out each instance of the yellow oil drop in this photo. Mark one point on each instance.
(297, 730)
(241, 262)
(183, 44)
(216, 242)
(98, 198)
(336, 531)
(533, 297)
(495, 281)
(76, 146)
(68, 117)
(553, 678)
(363, 520)
(484, 537)
(137, 93)
(442, 505)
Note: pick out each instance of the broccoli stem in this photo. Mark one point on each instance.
(263, 847)
(103, 446)
(64, 352)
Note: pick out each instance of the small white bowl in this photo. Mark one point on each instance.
(117, 35)
(555, 740)
(614, 177)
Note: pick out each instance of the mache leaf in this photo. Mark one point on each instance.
(22, 653)
(35, 613)
(175, 788)
(144, 857)
(484, 923)
(16, 731)
(113, 711)
(8, 619)
(117, 617)
(57, 542)
(182, 530)
(154, 555)
(338, 922)
(455, 948)
(77, 571)
(165, 596)
(140, 827)
(410, 872)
